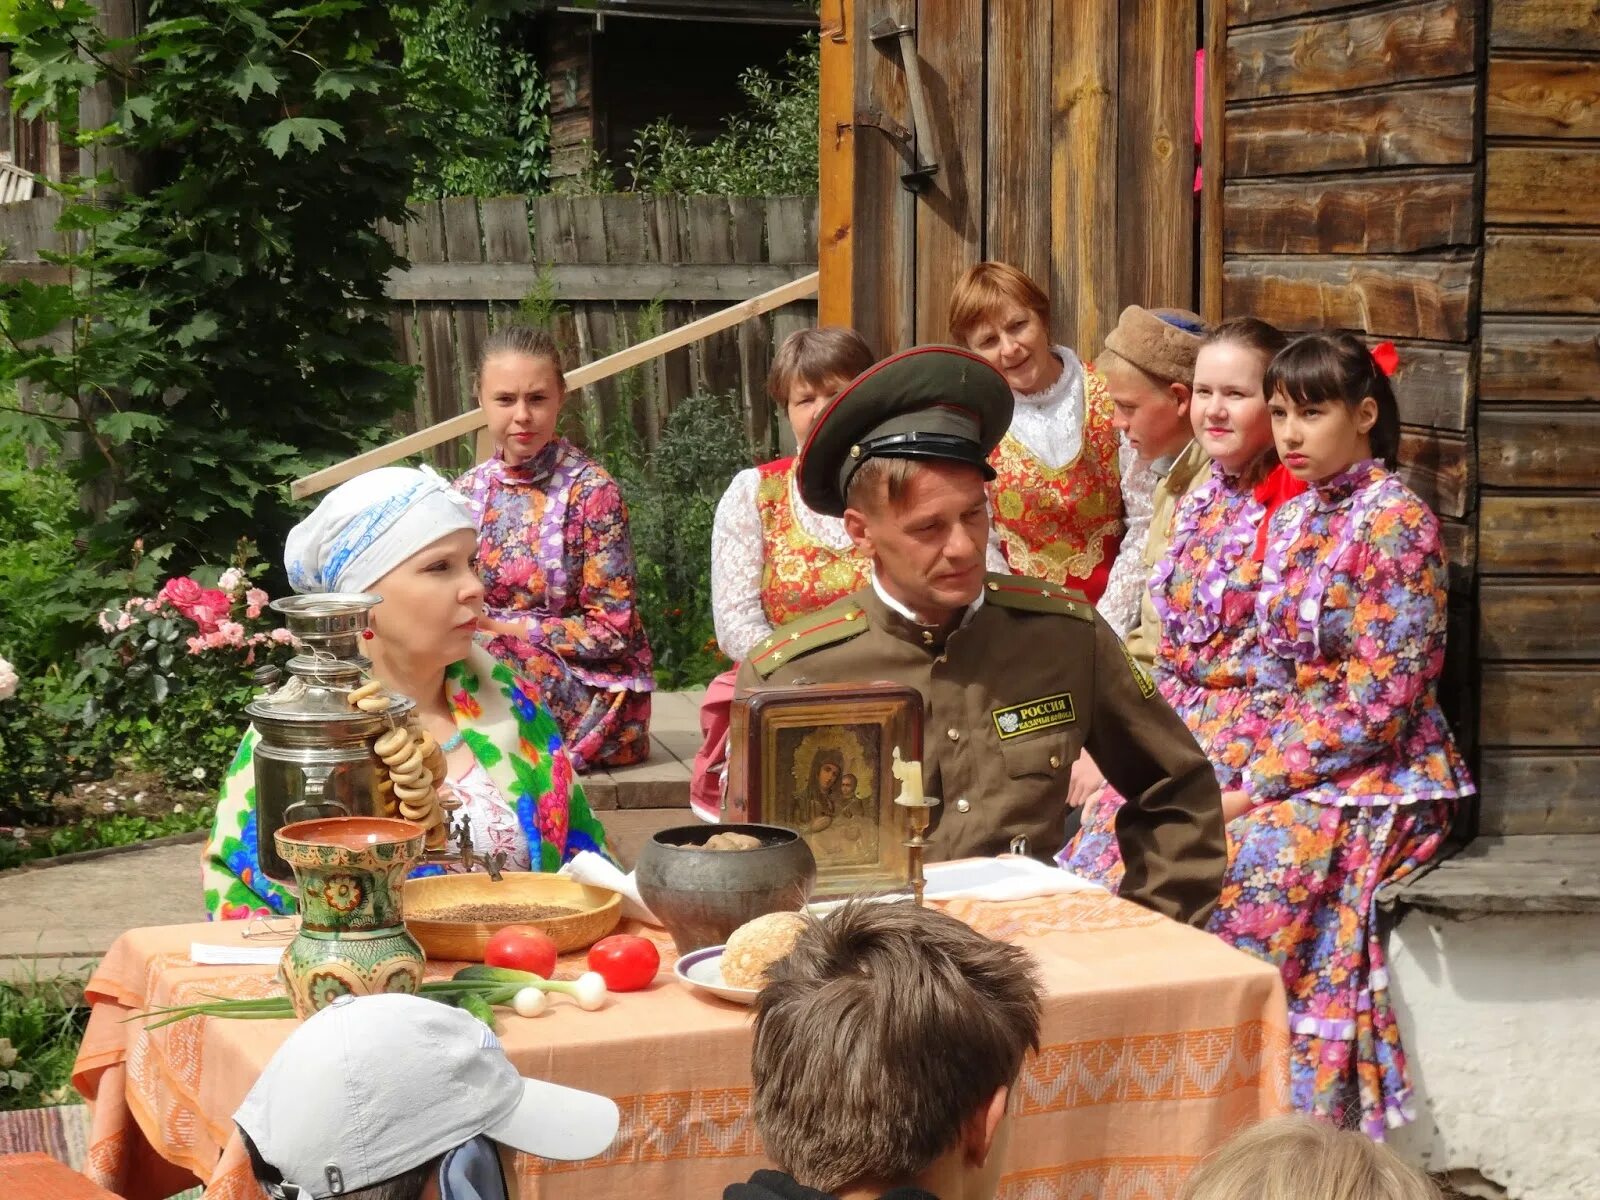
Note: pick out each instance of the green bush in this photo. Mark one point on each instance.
(122, 829)
(768, 150)
(41, 1024)
(502, 143)
(672, 493)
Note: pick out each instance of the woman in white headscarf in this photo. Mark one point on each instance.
(404, 534)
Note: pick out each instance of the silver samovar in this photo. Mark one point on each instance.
(314, 758)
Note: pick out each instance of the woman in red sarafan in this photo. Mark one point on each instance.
(556, 559)
(1057, 494)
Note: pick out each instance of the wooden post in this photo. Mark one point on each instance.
(836, 151)
(1212, 168)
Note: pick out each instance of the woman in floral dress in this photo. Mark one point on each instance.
(556, 559)
(1204, 590)
(404, 534)
(1355, 778)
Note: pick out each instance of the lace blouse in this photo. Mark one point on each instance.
(1120, 602)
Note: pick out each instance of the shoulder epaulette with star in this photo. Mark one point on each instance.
(840, 621)
(1037, 595)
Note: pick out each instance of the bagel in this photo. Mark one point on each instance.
(367, 690)
(391, 743)
(408, 762)
(404, 791)
(374, 704)
(416, 812)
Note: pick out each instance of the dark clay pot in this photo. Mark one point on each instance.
(702, 896)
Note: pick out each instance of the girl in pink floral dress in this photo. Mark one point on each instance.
(556, 559)
(1355, 778)
(1204, 590)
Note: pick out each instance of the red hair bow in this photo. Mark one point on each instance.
(1386, 356)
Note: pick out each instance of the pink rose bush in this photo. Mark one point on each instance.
(170, 681)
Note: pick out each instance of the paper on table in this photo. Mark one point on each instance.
(595, 869)
(1007, 877)
(202, 954)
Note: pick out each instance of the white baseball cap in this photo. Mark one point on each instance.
(374, 1086)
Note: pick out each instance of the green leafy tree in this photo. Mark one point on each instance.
(228, 330)
(503, 111)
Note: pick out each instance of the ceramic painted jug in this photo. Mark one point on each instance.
(353, 939)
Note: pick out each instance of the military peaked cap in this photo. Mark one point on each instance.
(933, 402)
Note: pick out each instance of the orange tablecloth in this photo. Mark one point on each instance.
(1158, 1042)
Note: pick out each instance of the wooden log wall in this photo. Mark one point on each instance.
(1063, 131)
(609, 269)
(1539, 421)
(1352, 184)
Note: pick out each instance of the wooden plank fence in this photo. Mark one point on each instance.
(608, 271)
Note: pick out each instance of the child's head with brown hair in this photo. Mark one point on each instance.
(810, 368)
(886, 1046)
(1331, 406)
(521, 389)
(1228, 412)
(1296, 1158)
(1000, 314)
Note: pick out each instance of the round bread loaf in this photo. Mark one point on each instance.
(756, 945)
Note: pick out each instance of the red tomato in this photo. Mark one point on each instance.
(522, 948)
(625, 962)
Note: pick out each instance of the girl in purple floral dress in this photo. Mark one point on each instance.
(556, 559)
(1204, 590)
(1354, 778)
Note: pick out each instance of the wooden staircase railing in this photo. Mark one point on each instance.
(603, 368)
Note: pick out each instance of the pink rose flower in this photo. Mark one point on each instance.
(282, 636)
(232, 579)
(105, 623)
(256, 598)
(181, 592)
(124, 621)
(196, 645)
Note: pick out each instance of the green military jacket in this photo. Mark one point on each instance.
(1189, 471)
(1011, 693)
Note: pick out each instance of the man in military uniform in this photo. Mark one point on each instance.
(1017, 675)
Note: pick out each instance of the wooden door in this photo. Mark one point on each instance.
(1063, 133)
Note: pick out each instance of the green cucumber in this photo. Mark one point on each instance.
(478, 973)
(478, 1007)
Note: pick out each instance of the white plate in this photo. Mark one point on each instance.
(702, 969)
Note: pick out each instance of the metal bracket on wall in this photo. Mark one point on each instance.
(837, 32)
(904, 37)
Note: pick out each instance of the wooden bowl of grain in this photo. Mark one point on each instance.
(454, 916)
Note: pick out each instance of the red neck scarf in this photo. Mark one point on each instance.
(1278, 486)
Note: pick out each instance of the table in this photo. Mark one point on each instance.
(1158, 1042)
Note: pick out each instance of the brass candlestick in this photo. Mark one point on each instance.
(919, 812)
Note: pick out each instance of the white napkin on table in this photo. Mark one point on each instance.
(1006, 877)
(205, 955)
(598, 871)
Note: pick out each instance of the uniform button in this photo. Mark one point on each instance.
(994, 587)
(953, 734)
(1055, 762)
(927, 637)
(962, 805)
(942, 659)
